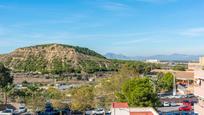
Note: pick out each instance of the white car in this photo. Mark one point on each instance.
(90, 112)
(99, 111)
(7, 112)
(179, 96)
(166, 104)
(22, 109)
(173, 104)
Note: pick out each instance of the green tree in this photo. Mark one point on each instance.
(20, 94)
(7, 91)
(5, 81)
(179, 67)
(107, 88)
(53, 93)
(5, 77)
(82, 98)
(33, 88)
(138, 92)
(166, 82)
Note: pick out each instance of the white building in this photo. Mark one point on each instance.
(124, 109)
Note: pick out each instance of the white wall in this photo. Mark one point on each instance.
(120, 111)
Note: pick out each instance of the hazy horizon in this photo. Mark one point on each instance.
(128, 27)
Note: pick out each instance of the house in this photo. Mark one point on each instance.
(124, 109)
(196, 66)
(199, 91)
(183, 80)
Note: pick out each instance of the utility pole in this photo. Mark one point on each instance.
(174, 84)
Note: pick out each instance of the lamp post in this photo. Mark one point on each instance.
(174, 84)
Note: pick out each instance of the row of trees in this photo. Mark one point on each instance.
(33, 96)
(124, 86)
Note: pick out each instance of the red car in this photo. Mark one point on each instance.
(186, 102)
(185, 108)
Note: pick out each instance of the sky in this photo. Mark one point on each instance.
(129, 27)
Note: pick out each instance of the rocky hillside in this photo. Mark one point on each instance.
(56, 58)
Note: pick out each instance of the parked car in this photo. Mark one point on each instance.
(100, 111)
(108, 112)
(22, 109)
(187, 103)
(190, 95)
(166, 104)
(7, 112)
(173, 104)
(185, 108)
(179, 96)
(90, 112)
(193, 102)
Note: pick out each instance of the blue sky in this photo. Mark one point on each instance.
(130, 27)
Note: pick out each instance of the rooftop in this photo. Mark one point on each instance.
(119, 105)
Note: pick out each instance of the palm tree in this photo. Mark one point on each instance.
(33, 88)
(7, 90)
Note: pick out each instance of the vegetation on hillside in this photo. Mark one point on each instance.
(82, 50)
(179, 67)
(32, 59)
(125, 85)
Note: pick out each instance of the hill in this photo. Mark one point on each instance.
(56, 58)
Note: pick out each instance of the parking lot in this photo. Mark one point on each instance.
(167, 109)
(177, 100)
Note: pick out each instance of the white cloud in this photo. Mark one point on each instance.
(114, 6)
(193, 32)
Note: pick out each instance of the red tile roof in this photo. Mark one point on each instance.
(119, 105)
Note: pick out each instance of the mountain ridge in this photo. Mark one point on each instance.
(171, 57)
(55, 58)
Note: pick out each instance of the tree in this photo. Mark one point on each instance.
(107, 88)
(138, 92)
(58, 104)
(156, 82)
(179, 67)
(7, 90)
(82, 98)
(166, 82)
(20, 94)
(5, 77)
(5, 81)
(53, 93)
(33, 88)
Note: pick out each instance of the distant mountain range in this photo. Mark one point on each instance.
(172, 57)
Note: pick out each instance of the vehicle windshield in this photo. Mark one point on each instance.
(21, 107)
(185, 101)
(184, 106)
(7, 111)
(99, 109)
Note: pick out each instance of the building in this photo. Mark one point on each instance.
(197, 66)
(194, 66)
(152, 61)
(183, 81)
(199, 91)
(201, 61)
(124, 109)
